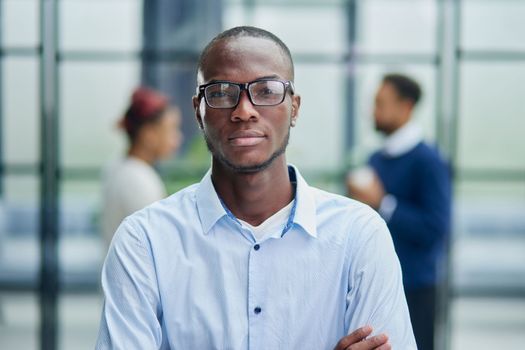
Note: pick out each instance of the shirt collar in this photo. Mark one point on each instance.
(211, 210)
(209, 205)
(306, 211)
(403, 140)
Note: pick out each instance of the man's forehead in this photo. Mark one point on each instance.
(250, 43)
(244, 53)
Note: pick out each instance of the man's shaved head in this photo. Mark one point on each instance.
(245, 31)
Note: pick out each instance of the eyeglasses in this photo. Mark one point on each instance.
(226, 94)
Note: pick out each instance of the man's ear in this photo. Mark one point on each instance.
(408, 109)
(196, 106)
(296, 104)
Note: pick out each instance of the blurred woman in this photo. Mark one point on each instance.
(152, 126)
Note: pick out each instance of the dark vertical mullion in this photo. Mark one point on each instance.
(48, 277)
(440, 75)
(350, 94)
(453, 133)
(456, 83)
(443, 300)
(150, 43)
(2, 165)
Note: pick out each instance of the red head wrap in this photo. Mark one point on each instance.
(146, 104)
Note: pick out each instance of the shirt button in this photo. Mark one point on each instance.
(256, 247)
(257, 310)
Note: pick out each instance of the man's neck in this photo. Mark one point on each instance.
(254, 197)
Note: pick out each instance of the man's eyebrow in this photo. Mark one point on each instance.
(273, 76)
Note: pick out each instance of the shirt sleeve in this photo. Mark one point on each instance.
(131, 310)
(375, 293)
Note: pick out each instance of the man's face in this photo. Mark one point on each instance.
(246, 138)
(390, 111)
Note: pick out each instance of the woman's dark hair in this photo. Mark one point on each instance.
(146, 107)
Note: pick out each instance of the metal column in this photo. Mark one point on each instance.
(350, 61)
(48, 277)
(2, 170)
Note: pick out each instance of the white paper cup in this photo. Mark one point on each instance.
(361, 177)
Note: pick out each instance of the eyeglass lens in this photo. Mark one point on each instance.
(262, 93)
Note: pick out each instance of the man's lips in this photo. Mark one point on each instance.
(245, 138)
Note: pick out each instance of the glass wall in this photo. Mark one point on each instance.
(98, 63)
(470, 72)
(99, 45)
(488, 254)
(19, 178)
(490, 162)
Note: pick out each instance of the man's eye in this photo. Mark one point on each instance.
(267, 91)
(217, 94)
(220, 94)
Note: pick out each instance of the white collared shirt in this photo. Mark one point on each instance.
(184, 274)
(403, 140)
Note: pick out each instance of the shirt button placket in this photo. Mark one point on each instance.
(255, 287)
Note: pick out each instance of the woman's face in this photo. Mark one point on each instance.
(166, 134)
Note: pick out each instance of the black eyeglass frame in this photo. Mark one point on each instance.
(288, 85)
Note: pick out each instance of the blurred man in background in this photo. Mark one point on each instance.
(409, 185)
(152, 127)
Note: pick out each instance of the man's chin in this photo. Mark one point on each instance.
(246, 168)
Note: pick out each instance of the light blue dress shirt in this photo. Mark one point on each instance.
(184, 274)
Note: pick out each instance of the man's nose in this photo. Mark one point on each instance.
(245, 110)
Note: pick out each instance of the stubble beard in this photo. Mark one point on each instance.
(249, 169)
